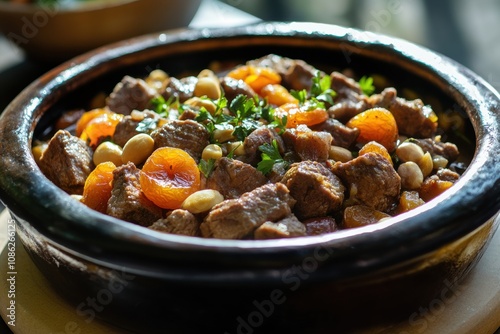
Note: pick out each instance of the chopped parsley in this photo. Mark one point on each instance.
(270, 156)
(366, 84)
(206, 166)
(321, 88)
(147, 125)
(245, 115)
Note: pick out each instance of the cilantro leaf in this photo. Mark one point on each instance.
(366, 84)
(270, 156)
(160, 105)
(321, 88)
(147, 125)
(206, 166)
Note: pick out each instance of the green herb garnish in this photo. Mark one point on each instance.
(321, 88)
(206, 166)
(366, 84)
(270, 156)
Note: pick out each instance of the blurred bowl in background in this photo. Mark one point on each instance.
(67, 28)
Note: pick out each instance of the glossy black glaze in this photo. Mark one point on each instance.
(44, 210)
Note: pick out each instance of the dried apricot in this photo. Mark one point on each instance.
(277, 95)
(86, 117)
(255, 77)
(98, 186)
(377, 124)
(297, 115)
(169, 176)
(101, 127)
(433, 187)
(409, 200)
(360, 215)
(375, 147)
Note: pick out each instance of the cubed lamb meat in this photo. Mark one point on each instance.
(320, 225)
(444, 149)
(67, 162)
(181, 89)
(127, 201)
(188, 135)
(233, 178)
(257, 138)
(349, 100)
(233, 87)
(288, 227)
(308, 144)
(130, 94)
(180, 222)
(342, 135)
(237, 218)
(127, 127)
(316, 189)
(372, 181)
(412, 117)
(295, 73)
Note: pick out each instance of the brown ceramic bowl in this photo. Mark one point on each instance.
(152, 282)
(68, 28)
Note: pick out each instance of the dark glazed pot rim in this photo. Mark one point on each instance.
(31, 198)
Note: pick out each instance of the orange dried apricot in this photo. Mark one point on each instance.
(277, 95)
(169, 176)
(297, 115)
(360, 215)
(98, 186)
(409, 200)
(86, 117)
(255, 77)
(375, 147)
(433, 187)
(100, 127)
(377, 124)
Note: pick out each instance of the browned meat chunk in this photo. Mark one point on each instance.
(316, 189)
(233, 178)
(342, 135)
(181, 89)
(444, 149)
(295, 73)
(349, 100)
(289, 227)
(130, 94)
(188, 135)
(309, 145)
(372, 181)
(412, 117)
(237, 218)
(127, 201)
(320, 225)
(233, 88)
(257, 138)
(67, 161)
(181, 222)
(127, 127)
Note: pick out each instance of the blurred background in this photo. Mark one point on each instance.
(467, 31)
